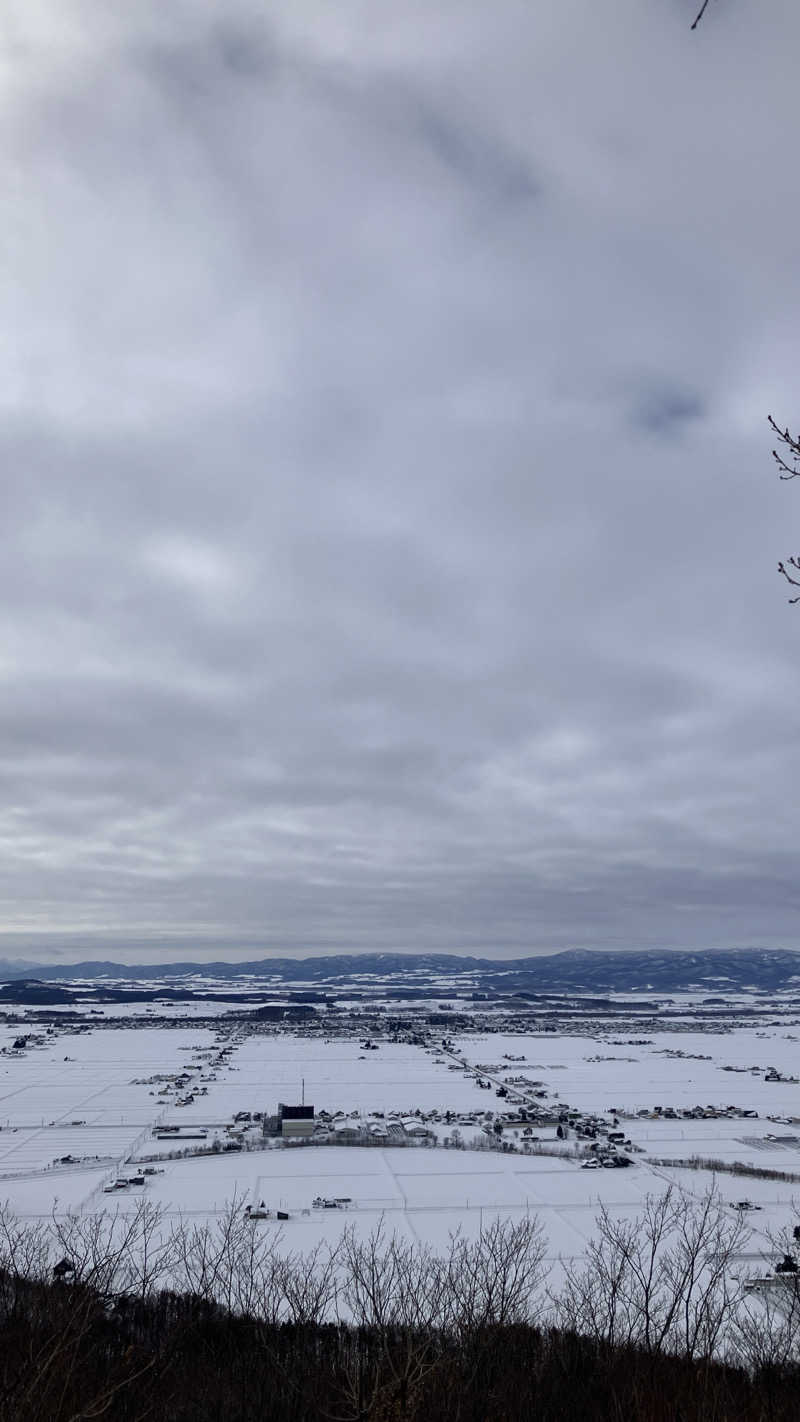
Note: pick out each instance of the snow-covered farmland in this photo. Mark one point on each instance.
(337, 1074)
(680, 1069)
(421, 1194)
(81, 1098)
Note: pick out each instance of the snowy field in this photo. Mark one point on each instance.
(82, 1096)
(337, 1075)
(421, 1194)
(632, 1076)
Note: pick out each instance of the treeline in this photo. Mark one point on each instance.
(728, 1167)
(133, 1318)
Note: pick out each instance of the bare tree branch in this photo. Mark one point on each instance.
(788, 462)
(700, 14)
(792, 444)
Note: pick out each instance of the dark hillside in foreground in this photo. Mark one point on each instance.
(65, 1355)
(716, 971)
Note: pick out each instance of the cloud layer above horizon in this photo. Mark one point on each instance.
(389, 525)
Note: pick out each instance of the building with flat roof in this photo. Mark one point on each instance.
(295, 1122)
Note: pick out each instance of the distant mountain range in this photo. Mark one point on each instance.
(717, 971)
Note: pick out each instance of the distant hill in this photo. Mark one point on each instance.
(718, 971)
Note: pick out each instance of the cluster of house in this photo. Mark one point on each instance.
(340, 1128)
(610, 1160)
(392, 1130)
(786, 1275)
(183, 1087)
(263, 1212)
(178, 1133)
(689, 1113)
(123, 1182)
(21, 1044)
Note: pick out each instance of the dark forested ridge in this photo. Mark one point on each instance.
(66, 1354)
(757, 969)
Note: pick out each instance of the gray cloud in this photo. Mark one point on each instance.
(388, 525)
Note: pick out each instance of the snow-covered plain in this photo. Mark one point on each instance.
(80, 1101)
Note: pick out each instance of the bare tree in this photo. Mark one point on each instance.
(25, 1249)
(697, 1270)
(219, 1261)
(413, 1307)
(661, 1281)
(309, 1285)
(389, 1282)
(767, 1332)
(395, 1293)
(96, 1252)
(116, 1253)
(498, 1278)
(767, 1335)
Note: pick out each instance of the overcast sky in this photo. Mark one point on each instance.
(389, 532)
